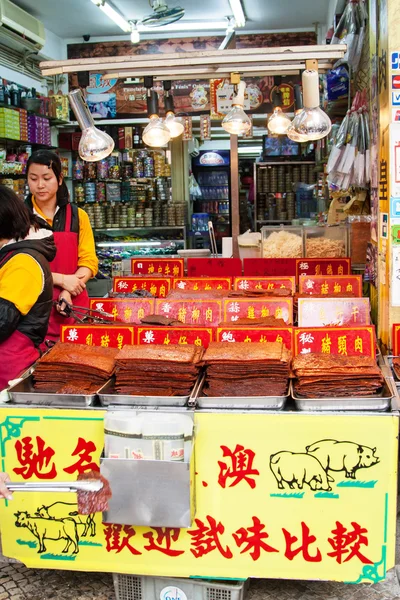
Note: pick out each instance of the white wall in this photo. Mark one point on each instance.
(55, 47)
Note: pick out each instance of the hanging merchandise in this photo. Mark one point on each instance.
(187, 132)
(351, 31)
(205, 127)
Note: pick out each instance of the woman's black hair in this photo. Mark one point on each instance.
(52, 160)
(15, 217)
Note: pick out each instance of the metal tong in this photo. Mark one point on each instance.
(89, 485)
(198, 386)
(214, 251)
(82, 314)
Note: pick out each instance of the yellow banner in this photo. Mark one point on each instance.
(296, 496)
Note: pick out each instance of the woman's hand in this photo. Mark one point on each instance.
(4, 491)
(72, 284)
(63, 296)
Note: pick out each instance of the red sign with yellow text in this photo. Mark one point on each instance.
(268, 284)
(331, 285)
(170, 267)
(214, 267)
(269, 267)
(348, 341)
(256, 334)
(107, 336)
(322, 266)
(396, 339)
(201, 284)
(200, 336)
(191, 312)
(255, 308)
(130, 310)
(157, 286)
(334, 312)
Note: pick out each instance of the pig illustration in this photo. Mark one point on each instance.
(343, 456)
(299, 469)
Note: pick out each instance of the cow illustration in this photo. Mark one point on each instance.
(292, 468)
(67, 510)
(50, 529)
(343, 456)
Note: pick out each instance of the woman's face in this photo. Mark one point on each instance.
(42, 182)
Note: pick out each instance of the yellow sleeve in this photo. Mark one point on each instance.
(21, 282)
(86, 248)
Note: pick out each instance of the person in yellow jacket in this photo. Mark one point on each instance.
(76, 261)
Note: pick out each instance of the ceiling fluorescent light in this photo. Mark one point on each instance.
(186, 26)
(113, 15)
(237, 9)
(250, 150)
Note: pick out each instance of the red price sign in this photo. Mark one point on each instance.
(396, 338)
(164, 266)
(191, 312)
(268, 284)
(158, 286)
(269, 267)
(200, 336)
(130, 310)
(111, 336)
(202, 284)
(331, 285)
(322, 266)
(256, 334)
(214, 267)
(348, 341)
(329, 312)
(255, 308)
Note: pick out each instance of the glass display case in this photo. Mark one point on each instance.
(282, 242)
(322, 241)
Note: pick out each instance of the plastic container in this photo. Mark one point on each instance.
(326, 242)
(282, 242)
(249, 245)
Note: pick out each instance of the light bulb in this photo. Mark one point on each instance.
(278, 123)
(174, 125)
(135, 35)
(156, 133)
(94, 144)
(312, 123)
(236, 121)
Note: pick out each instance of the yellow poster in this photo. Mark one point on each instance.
(290, 495)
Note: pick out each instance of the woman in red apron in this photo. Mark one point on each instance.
(76, 260)
(26, 286)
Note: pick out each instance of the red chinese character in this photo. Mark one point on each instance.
(117, 538)
(205, 538)
(242, 466)
(34, 463)
(254, 541)
(84, 450)
(307, 540)
(348, 542)
(163, 533)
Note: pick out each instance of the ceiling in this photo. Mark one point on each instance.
(75, 18)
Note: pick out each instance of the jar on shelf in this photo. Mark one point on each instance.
(137, 164)
(79, 194)
(127, 172)
(102, 169)
(171, 216)
(90, 191)
(100, 191)
(77, 169)
(114, 172)
(90, 170)
(148, 164)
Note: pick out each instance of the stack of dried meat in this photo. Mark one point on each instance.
(242, 369)
(331, 376)
(74, 369)
(396, 366)
(157, 370)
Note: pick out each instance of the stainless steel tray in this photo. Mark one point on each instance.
(381, 402)
(108, 396)
(239, 402)
(24, 393)
(389, 361)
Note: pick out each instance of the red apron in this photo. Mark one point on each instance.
(65, 262)
(17, 353)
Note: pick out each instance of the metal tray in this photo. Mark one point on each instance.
(389, 361)
(381, 402)
(24, 393)
(239, 402)
(108, 396)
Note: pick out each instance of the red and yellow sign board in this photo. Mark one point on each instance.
(109, 336)
(169, 267)
(269, 267)
(214, 267)
(267, 499)
(396, 339)
(191, 312)
(268, 284)
(348, 341)
(331, 312)
(200, 336)
(256, 334)
(256, 308)
(157, 286)
(201, 284)
(130, 310)
(322, 266)
(331, 285)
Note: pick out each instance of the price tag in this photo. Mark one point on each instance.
(348, 341)
(110, 336)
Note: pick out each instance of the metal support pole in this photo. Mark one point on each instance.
(235, 216)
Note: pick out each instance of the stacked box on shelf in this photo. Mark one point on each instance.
(9, 124)
(39, 130)
(23, 124)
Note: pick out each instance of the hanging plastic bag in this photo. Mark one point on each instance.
(339, 144)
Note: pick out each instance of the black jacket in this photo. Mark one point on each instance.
(59, 221)
(34, 325)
